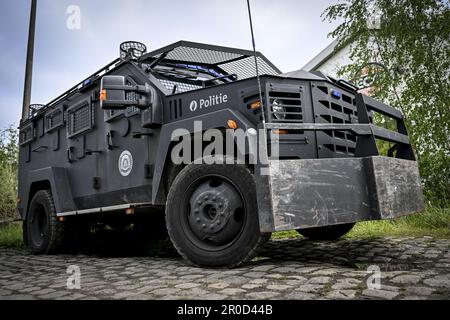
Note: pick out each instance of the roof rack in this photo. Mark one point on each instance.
(88, 81)
(83, 84)
(233, 61)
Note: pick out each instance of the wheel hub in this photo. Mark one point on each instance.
(216, 212)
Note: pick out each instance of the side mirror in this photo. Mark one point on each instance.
(113, 94)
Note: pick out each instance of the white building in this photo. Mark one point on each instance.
(329, 60)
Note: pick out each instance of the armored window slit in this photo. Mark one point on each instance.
(54, 119)
(80, 119)
(27, 134)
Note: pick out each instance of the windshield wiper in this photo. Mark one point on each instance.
(158, 61)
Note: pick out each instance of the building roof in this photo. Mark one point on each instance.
(322, 57)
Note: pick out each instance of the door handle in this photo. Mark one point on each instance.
(109, 140)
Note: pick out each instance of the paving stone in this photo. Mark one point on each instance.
(278, 287)
(258, 281)
(275, 276)
(219, 285)
(310, 288)
(264, 268)
(389, 288)
(298, 295)
(254, 274)
(20, 297)
(380, 294)
(407, 279)
(419, 291)
(42, 292)
(285, 270)
(232, 291)
(411, 267)
(438, 282)
(250, 286)
(324, 272)
(188, 285)
(194, 293)
(413, 298)
(341, 294)
(54, 295)
(263, 295)
(346, 283)
(192, 276)
(165, 291)
(319, 280)
(4, 292)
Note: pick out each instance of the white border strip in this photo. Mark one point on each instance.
(103, 209)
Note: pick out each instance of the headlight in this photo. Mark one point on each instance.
(278, 110)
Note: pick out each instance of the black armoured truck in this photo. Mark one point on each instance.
(103, 152)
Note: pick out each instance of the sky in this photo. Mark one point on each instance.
(288, 32)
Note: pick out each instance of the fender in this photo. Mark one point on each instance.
(214, 120)
(60, 188)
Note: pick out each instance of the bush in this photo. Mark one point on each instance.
(8, 173)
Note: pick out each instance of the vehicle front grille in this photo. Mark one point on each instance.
(335, 106)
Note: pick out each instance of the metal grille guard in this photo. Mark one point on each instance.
(366, 131)
(307, 193)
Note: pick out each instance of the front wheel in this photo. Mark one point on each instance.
(326, 233)
(212, 215)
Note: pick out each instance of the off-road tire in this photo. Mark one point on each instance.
(327, 233)
(244, 246)
(51, 240)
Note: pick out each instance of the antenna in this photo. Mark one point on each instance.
(29, 63)
(256, 61)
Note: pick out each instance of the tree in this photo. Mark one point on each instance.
(409, 39)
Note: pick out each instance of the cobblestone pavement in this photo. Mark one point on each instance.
(411, 268)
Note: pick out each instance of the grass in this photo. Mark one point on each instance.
(11, 236)
(433, 222)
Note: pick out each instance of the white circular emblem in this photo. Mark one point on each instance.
(125, 163)
(193, 106)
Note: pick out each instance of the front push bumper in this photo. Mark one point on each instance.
(298, 194)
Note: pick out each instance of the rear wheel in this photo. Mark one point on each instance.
(44, 233)
(327, 233)
(212, 216)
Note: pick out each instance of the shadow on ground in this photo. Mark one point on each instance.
(389, 253)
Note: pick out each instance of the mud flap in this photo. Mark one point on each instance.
(295, 194)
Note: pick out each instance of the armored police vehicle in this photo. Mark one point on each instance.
(105, 151)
